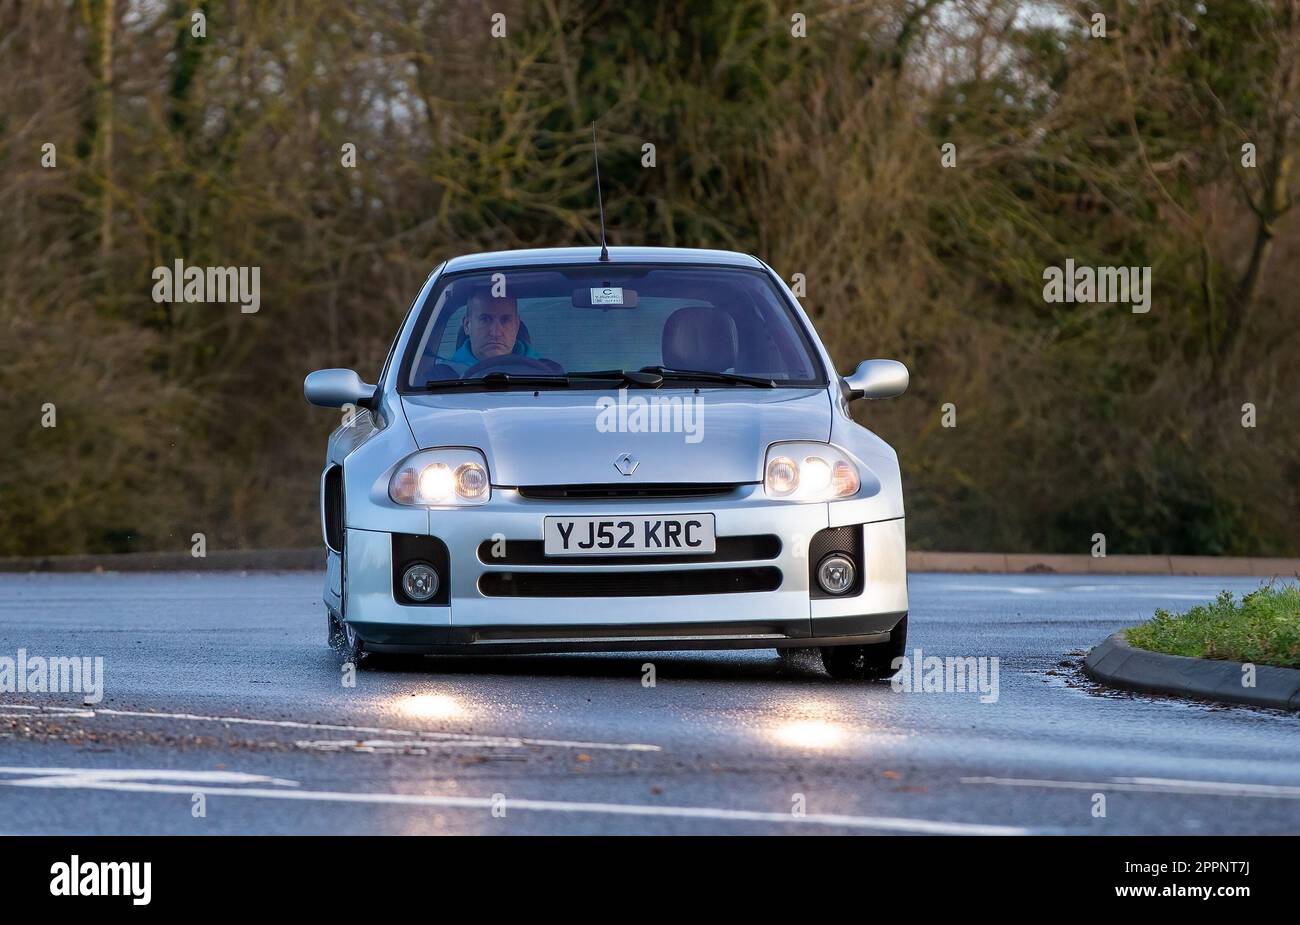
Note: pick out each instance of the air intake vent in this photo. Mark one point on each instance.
(629, 584)
(332, 501)
(617, 492)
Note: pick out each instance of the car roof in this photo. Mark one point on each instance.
(554, 256)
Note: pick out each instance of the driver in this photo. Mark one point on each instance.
(492, 330)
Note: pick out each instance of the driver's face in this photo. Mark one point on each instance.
(492, 326)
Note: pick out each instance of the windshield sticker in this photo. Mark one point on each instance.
(607, 296)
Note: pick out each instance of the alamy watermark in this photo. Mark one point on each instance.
(667, 414)
(1073, 283)
(54, 674)
(76, 877)
(930, 674)
(179, 283)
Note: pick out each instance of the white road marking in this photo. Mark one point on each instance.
(1179, 596)
(77, 777)
(83, 712)
(1152, 785)
(389, 746)
(108, 779)
(464, 739)
(1082, 589)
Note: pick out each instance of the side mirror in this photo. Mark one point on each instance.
(334, 388)
(878, 379)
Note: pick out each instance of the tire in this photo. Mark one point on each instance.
(354, 650)
(866, 663)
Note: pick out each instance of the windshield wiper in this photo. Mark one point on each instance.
(649, 376)
(502, 380)
(701, 375)
(637, 377)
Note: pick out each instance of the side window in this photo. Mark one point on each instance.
(428, 349)
(410, 309)
(451, 333)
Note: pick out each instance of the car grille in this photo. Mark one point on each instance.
(630, 584)
(729, 549)
(618, 492)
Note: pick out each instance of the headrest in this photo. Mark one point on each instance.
(702, 338)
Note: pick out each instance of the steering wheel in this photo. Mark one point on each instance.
(513, 363)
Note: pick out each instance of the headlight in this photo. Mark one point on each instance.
(809, 472)
(453, 476)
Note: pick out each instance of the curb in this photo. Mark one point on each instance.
(1117, 663)
(1053, 563)
(218, 560)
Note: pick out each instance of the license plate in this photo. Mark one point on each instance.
(621, 536)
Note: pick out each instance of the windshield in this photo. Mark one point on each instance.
(558, 326)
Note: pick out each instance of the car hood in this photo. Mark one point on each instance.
(574, 438)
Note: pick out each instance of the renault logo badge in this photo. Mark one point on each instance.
(626, 463)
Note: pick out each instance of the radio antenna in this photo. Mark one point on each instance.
(604, 248)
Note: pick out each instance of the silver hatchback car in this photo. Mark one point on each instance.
(644, 448)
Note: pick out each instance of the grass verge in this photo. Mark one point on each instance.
(1262, 628)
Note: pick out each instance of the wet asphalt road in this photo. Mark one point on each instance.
(221, 696)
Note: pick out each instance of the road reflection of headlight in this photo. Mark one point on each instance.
(815, 734)
(431, 706)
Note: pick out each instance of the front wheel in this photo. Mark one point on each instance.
(354, 650)
(866, 663)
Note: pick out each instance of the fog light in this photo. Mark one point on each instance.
(836, 574)
(420, 582)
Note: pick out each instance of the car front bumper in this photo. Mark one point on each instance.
(662, 615)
